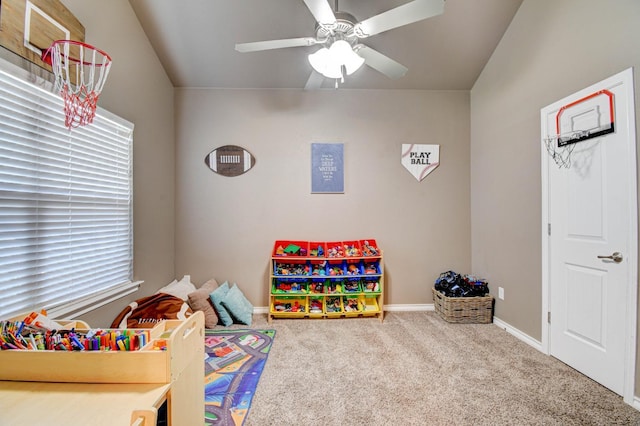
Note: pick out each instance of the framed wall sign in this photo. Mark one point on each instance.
(327, 168)
(420, 160)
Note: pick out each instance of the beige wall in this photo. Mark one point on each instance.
(552, 49)
(139, 91)
(226, 227)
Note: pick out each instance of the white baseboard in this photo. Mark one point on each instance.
(517, 333)
(409, 308)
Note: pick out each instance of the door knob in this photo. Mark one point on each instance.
(616, 257)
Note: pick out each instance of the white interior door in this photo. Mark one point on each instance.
(592, 214)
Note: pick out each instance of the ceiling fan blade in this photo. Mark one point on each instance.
(382, 63)
(315, 81)
(321, 10)
(275, 44)
(408, 13)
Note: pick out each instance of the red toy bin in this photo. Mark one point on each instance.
(352, 248)
(317, 249)
(369, 247)
(336, 268)
(286, 248)
(293, 267)
(335, 249)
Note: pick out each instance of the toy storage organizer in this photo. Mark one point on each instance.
(176, 374)
(334, 279)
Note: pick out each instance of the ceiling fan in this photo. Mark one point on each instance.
(339, 35)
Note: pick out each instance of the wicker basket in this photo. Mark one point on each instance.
(464, 310)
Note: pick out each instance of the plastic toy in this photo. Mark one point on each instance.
(316, 306)
(369, 250)
(370, 268)
(351, 305)
(353, 269)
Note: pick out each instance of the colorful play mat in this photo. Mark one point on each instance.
(233, 364)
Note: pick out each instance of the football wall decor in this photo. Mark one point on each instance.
(230, 160)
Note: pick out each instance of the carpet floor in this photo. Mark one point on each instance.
(416, 369)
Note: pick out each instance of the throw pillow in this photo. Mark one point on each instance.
(199, 301)
(180, 288)
(238, 306)
(216, 298)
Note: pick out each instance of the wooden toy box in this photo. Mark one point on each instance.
(179, 366)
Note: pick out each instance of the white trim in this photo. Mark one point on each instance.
(410, 308)
(632, 297)
(636, 403)
(260, 309)
(518, 334)
(625, 77)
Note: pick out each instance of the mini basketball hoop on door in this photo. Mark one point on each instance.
(590, 120)
(80, 71)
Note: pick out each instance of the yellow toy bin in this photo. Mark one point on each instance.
(316, 307)
(289, 307)
(370, 306)
(333, 306)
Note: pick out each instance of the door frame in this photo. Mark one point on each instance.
(626, 77)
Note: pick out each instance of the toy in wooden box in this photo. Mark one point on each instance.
(464, 310)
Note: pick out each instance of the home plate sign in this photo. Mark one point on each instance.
(420, 160)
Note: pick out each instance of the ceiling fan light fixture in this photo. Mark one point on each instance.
(329, 62)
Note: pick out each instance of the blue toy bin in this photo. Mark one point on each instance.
(286, 267)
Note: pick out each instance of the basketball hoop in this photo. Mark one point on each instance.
(80, 71)
(601, 117)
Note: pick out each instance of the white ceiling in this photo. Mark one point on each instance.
(195, 41)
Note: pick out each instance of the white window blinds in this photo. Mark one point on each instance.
(66, 234)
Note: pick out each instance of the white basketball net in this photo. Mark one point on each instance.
(80, 72)
(560, 154)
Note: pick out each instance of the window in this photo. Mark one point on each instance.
(66, 232)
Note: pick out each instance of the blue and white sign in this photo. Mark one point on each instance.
(327, 168)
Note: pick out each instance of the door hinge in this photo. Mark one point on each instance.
(549, 317)
(549, 229)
